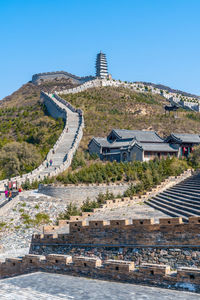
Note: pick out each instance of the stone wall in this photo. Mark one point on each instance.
(53, 109)
(174, 257)
(116, 233)
(41, 77)
(78, 194)
(117, 270)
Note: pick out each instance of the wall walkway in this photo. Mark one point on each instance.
(65, 147)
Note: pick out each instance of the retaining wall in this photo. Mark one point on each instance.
(78, 194)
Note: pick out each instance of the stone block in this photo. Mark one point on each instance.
(118, 223)
(191, 275)
(194, 220)
(97, 224)
(90, 262)
(62, 223)
(119, 266)
(170, 221)
(154, 269)
(143, 221)
(54, 259)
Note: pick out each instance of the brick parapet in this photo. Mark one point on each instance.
(136, 232)
(117, 270)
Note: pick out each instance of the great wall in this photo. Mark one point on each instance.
(140, 250)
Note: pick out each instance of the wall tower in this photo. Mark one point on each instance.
(101, 66)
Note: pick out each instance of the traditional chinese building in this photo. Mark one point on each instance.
(184, 142)
(129, 145)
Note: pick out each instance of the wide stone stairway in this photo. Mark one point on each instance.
(181, 200)
(60, 153)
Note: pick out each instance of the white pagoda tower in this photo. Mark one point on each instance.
(101, 66)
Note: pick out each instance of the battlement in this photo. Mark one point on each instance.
(127, 232)
(40, 77)
(93, 267)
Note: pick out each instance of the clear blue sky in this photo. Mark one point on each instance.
(145, 40)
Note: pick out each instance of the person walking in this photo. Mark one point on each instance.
(10, 196)
(47, 164)
(51, 161)
(6, 194)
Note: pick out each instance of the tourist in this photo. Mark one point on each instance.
(6, 193)
(47, 164)
(10, 196)
(51, 162)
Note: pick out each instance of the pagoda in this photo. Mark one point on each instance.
(101, 66)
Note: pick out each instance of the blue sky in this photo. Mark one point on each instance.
(146, 40)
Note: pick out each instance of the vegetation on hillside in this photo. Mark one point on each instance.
(152, 172)
(106, 108)
(146, 175)
(26, 135)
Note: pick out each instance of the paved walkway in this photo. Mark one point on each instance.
(46, 286)
(135, 211)
(60, 153)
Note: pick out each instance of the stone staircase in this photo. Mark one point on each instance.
(62, 152)
(181, 200)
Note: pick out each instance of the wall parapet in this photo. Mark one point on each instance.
(127, 232)
(94, 267)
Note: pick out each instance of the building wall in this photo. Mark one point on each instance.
(94, 148)
(136, 154)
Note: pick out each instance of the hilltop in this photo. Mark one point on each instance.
(106, 108)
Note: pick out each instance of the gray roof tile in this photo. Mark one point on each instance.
(139, 135)
(186, 137)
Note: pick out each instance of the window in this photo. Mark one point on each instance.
(152, 272)
(117, 268)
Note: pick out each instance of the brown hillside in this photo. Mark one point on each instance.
(109, 107)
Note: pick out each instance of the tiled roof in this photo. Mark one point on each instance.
(103, 142)
(186, 137)
(157, 147)
(139, 135)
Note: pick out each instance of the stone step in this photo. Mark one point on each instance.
(175, 211)
(189, 186)
(179, 202)
(182, 197)
(175, 206)
(165, 210)
(184, 191)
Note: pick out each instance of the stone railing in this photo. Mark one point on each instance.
(61, 107)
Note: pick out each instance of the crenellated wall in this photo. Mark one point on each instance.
(126, 233)
(117, 270)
